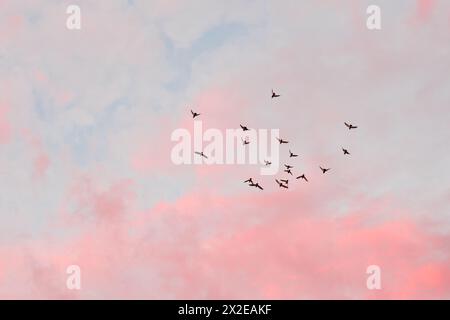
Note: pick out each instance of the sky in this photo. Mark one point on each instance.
(87, 179)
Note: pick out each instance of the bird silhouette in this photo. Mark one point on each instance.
(249, 180)
(292, 155)
(281, 185)
(274, 95)
(268, 163)
(350, 126)
(345, 151)
(201, 154)
(194, 114)
(256, 185)
(281, 141)
(324, 170)
(303, 177)
(285, 181)
(288, 166)
(244, 128)
(288, 171)
(245, 142)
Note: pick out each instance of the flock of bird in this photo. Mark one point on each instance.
(282, 183)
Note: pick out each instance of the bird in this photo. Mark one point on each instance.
(288, 171)
(274, 95)
(256, 185)
(350, 126)
(194, 114)
(345, 151)
(245, 142)
(244, 128)
(285, 181)
(268, 163)
(324, 170)
(201, 154)
(288, 166)
(281, 185)
(303, 177)
(281, 141)
(292, 155)
(249, 180)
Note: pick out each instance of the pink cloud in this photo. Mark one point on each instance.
(41, 159)
(209, 246)
(10, 28)
(41, 164)
(425, 8)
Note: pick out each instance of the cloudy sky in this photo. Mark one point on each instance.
(86, 176)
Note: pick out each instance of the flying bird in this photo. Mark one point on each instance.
(288, 166)
(292, 155)
(201, 154)
(303, 177)
(194, 114)
(350, 126)
(244, 128)
(345, 151)
(274, 95)
(288, 171)
(281, 141)
(281, 185)
(268, 163)
(249, 180)
(245, 142)
(324, 170)
(256, 185)
(285, 181)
